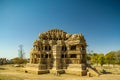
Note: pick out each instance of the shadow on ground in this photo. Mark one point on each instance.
(2, 69)
(106, 72)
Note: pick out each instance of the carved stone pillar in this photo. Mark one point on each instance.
(57, 66)
(57, 57)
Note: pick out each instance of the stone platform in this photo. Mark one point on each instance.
(34, 68)
(77, 69)
(57, 71)
(34, 71)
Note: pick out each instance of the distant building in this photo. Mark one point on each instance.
(58, 51)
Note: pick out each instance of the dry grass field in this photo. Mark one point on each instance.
(7, 72)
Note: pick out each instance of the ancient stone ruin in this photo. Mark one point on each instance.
(57, 51)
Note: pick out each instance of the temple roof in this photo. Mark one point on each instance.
(57, 34)
(54, 34)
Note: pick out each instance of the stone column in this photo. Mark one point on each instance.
(64, 61)
(44, 47)
(57, 59)
(48, 61)
(78, 59)
(33, 59)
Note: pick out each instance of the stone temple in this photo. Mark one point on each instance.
(58, 51)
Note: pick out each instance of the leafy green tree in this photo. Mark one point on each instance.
(94, 58)
(117, 57)
(101, 59)
(110, 57)
(89, 56)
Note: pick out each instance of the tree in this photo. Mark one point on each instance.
(18, 60)
(101, 59)
(89, 55)
(21, 53)
(117, 57)
(110, 57)
(94, 58)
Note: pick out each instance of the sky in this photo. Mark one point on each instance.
(21, 21)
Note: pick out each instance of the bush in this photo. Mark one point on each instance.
(19, 60)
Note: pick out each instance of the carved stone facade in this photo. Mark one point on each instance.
(58, 51)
